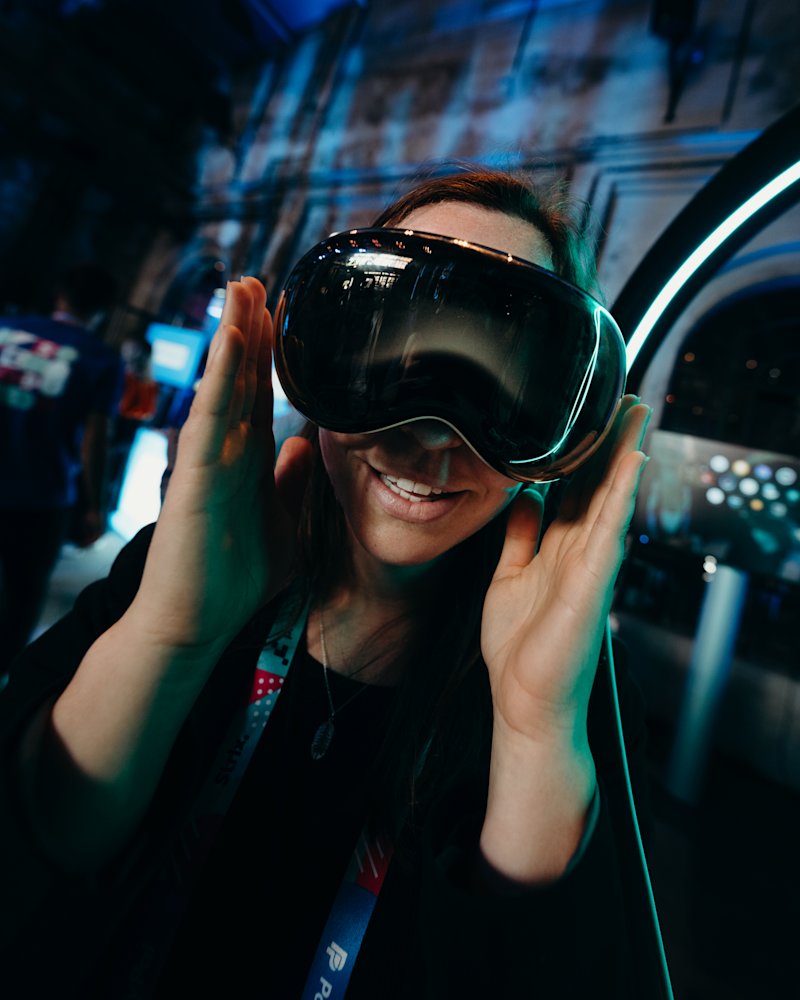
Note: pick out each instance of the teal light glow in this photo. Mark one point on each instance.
(709, 245)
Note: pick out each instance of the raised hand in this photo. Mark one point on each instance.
(224, 540)
(545, 611)
(543, 623)
(221, 548)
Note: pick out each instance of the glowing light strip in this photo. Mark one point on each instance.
(709, 245)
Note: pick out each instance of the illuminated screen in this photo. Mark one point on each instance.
(140, 494)
(176, 353)
(740, 505)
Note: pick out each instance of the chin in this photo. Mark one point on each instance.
(399, 547)
(407, 556)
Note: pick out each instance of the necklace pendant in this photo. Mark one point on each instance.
(322, 739)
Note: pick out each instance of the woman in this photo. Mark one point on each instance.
(444, 699)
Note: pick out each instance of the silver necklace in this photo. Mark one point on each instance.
(325, 731)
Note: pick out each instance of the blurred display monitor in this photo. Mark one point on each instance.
(176, 353)
(140, 493)
(710, 498)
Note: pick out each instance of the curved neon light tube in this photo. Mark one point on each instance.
(725, 229)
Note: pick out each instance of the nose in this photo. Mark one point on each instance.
(433, 435)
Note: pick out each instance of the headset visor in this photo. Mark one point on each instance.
(379, 327)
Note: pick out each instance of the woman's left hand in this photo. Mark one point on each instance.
(543, 623)
(545, 611)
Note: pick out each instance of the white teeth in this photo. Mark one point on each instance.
(409, 489)
(421, 489)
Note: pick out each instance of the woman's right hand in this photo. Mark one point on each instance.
(222, 547)
(225, 537)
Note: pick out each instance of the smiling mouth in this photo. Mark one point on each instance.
(413, 491)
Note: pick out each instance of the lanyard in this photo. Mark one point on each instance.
(357, 895)
(348, 920)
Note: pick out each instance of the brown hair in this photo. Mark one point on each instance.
(546, 207)
(442, 717)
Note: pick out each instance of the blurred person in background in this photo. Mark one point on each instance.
(60, 386)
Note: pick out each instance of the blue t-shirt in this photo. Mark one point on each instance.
(52, 376)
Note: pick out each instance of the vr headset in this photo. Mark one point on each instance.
(377, 328)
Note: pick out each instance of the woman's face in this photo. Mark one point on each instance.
(412, 493)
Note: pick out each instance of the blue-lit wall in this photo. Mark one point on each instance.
(582, 87)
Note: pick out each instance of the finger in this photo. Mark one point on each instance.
(588, 488)
(605, 545)
(522, 533)
(292, 471)
(233, 293)
(263, 404)
(253, 334)
(576, 496)
(209, 416)
(629, 439)
(629, 436)
(241, 317)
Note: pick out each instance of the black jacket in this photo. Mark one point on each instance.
(285, 844)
